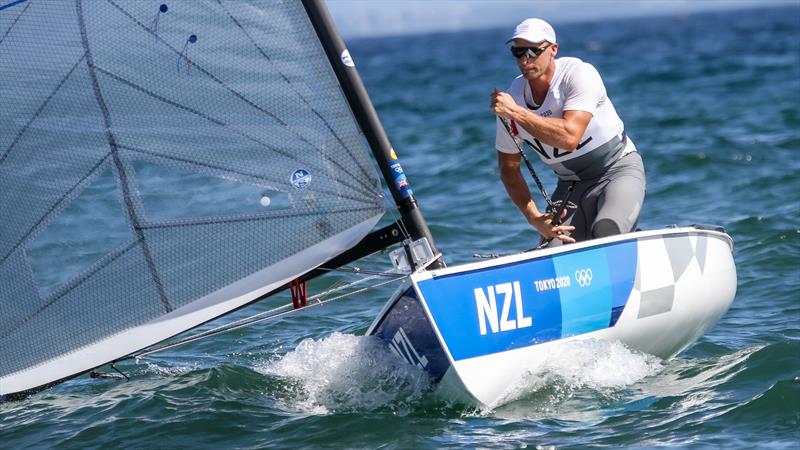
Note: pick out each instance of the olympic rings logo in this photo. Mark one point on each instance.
(583, 277)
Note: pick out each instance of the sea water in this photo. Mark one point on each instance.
(712, 102)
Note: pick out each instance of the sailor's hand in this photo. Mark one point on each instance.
(502, 104)
(544, 224)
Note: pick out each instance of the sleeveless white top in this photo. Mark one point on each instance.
(576, 85)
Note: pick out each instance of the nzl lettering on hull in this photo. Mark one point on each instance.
(500, 308)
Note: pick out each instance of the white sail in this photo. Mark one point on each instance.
(162, 163)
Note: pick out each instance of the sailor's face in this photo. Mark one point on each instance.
(533, 67)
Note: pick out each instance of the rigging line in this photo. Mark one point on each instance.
(556, 212)
(358, 271)
(41, 108)
(273, 313)
(358, 188)
(55, 206)
(211, 221)
(16, 19)
(236, 93)
(394, 213)
(227, 170)
(100, 265)
(127, 378)
(72, 284)
(556, 219)
(123, 176)
(335, 287)
(342, 284)
(398, 220)
(527, 163)
(94, 374)
(285, 78)
(403, 228)
(212, 332)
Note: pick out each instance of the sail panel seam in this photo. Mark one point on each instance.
(55, 207)
(289, 156)
(217, 221)
(241, 97)
(15, 20)
(41, 109)
(69, 286)
(123, 176)
(228, 170)
(305, 101)
(109, 259)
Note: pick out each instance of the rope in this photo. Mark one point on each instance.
(551, 209)
(270, 314)
(528, 164)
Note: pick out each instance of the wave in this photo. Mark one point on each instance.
(346, 373)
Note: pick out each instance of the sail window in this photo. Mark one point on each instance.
(196, 195)
(88, 229)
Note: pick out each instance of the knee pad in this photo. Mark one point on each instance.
(604, 228)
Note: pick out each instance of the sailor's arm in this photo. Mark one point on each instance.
(518, 191)
(562, 132)
(516, 186)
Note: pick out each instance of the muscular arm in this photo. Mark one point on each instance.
(562, 132)
(518, 191)
(516, 186)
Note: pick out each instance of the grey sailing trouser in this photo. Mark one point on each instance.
(607, 205)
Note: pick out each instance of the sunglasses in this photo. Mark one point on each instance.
(528, 52)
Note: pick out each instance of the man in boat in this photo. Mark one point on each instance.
(559, 107)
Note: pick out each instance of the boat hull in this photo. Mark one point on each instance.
(478, 328)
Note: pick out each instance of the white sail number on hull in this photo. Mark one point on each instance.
(486, 302)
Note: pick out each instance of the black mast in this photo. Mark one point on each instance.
(367, 119)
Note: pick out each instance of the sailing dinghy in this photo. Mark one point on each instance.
(164, 163)
(481, 328)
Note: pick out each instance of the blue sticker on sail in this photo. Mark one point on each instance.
(530, 302)
(300, 178)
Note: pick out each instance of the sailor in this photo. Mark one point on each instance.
(560, 108)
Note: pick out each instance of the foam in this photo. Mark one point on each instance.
(600, 367)
(344, 372)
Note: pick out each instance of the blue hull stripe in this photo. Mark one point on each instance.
(533, 301)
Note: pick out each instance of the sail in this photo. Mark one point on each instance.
(162, 163)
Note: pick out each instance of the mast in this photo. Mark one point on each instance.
(367, 119)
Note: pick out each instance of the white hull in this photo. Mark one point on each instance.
(489, 323)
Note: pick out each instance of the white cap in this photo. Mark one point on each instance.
(534, 30)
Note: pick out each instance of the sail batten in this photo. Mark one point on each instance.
(174, 164)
